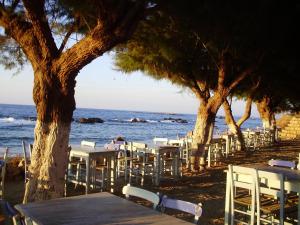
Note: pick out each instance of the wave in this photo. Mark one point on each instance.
(7, 119)
(14, 121)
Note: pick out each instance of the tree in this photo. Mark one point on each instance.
(235, 127)
(29, 32)
(206, 46)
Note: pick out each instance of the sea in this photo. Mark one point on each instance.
(17, 123)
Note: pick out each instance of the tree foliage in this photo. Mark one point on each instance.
(184, 42)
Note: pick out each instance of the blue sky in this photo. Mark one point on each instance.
(99, 85)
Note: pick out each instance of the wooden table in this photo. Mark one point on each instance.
(90, 154)
(93, 209)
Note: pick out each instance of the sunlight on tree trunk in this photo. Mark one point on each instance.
(48, 162)
(232, 125)
(55, 103)
(266, 114)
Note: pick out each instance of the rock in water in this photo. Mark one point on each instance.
(90, 120)
(138, 120)
(173, 120)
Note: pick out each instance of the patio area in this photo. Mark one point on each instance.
(207, 187)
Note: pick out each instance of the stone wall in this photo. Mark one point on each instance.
(290, 127)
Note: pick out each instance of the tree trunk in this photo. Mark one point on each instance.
(233, 127)
(203, 131)
(266, 114)
(203, 127)
(55, 103)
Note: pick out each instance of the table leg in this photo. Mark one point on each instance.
(227, 201)
(88, 165)
(157, 169)
(112, 173)
(109, 173)
(299, 209)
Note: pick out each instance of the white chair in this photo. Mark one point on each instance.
(141, 162)
(282, 163)
(184, 206)
(270, 197)
(240, 194)
(264, 199)
(88, 143)
(141, 193)
(160, 141)
(27, 148)
(3, 172)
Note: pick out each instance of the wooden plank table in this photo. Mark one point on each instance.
(90, 154)
(93, 209)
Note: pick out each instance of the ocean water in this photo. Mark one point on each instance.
(17, 123)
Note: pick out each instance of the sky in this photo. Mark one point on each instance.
(100, 85)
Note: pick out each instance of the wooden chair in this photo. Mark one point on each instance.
(11, 213)
(140, 161)
(27, 148)
(141, 193)
(160, 141)
(242, 183)
(188, 207)
(282, 163)
(3, 172)
(88, 143)
(271, 198)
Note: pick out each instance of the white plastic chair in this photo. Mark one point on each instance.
(184, 206)
(141, 193)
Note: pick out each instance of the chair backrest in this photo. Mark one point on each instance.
(26, 152)
(246, 179)
(139, 145)
(141, 193)
(282, 163)
(88, 143)
(188, 207)
(160, 141)
(271, 184)
(112, 146)
(3, 172)
(176, 142)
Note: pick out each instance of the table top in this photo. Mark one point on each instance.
(94, 209)
(289, 174)
(86, 150)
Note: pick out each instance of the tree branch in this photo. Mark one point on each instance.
(241, 77)
(36, 14)
(22, 32)
(247, 112)
(66, 38)
(100, 40)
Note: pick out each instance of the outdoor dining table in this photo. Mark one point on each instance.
(89, 155)
(93, 209)
(291, 183)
